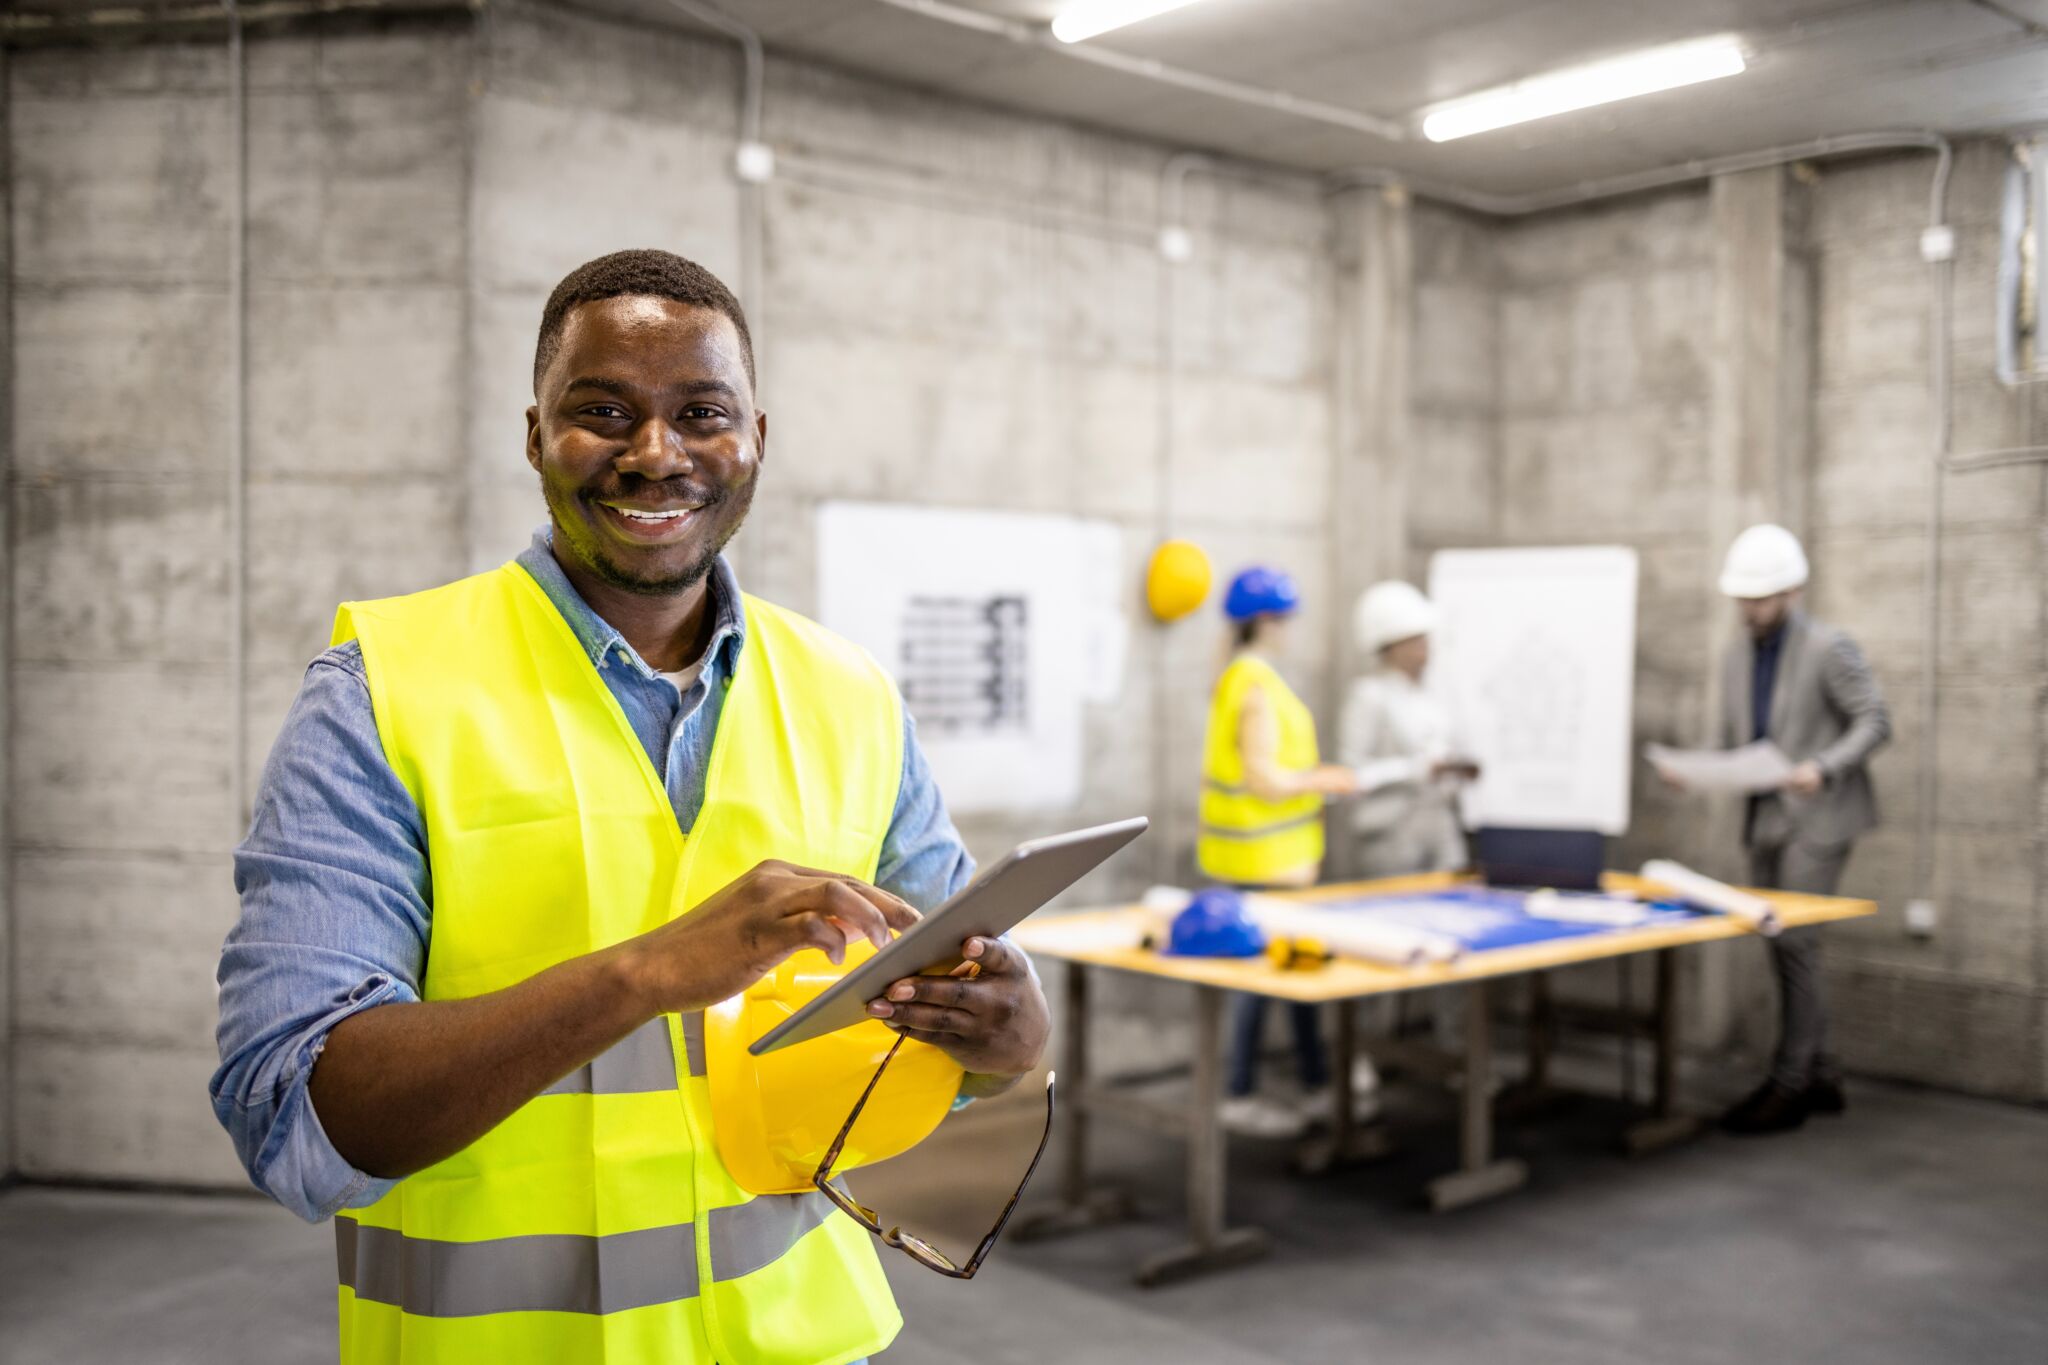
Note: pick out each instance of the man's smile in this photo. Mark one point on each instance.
(651, 524)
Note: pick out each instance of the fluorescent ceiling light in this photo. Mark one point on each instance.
(1582, 87)
(1087, 18)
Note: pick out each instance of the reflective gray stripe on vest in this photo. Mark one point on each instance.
(746, 1237)
(564, 1273)
(642, 1061)
(1261, 831)
(550, 1274)
(1225, 788)
(693, 1041)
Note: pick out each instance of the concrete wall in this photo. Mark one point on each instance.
(1457, 387)
(1966, 1008)
(121, 707)
(6, 619)
(1673, 367)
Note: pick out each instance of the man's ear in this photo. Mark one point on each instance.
(533, 437)
(760, 438)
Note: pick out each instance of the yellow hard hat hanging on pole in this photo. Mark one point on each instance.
(1177, 580)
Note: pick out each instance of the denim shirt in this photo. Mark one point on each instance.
(337, 909)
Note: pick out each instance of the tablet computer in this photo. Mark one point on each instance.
(1024, 879)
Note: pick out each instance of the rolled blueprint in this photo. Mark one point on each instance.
(1754, 911)
(1352, 933)
(1609, 912)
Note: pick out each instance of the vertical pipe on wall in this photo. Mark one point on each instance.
(2037, 178)
(752, 76)
(2012, 230)
(8, 939)
(1172, 250)
(237, 451)
(1941, 262)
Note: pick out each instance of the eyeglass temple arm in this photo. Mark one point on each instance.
(988, 1242)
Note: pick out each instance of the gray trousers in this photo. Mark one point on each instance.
(1802, 1057)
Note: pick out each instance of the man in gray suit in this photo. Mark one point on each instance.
(1805, 687)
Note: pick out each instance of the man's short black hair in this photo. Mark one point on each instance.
(662, 274)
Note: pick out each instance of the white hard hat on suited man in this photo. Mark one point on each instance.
(1391, 612)
(1764, 560)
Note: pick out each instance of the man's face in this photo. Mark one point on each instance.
(646, 440)
(1763, 615)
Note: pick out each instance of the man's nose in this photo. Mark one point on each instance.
(655, 452)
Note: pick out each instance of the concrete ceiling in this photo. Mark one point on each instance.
(1819, 67)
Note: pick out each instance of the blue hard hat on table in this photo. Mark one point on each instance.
(1215, 925)
(1260, 591)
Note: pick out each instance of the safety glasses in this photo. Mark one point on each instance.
(919, 1250)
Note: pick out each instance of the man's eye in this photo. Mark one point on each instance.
(605, 410)
(697, 412)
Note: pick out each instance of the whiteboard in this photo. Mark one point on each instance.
(998, 628)
(1534, 657)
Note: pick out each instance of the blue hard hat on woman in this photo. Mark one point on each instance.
(1260, 591)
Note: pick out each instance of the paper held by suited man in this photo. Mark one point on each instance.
(1758, 767)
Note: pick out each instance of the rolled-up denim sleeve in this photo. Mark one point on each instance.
(923, 859)
(334, 920)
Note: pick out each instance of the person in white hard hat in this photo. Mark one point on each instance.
(1806, 688)
(1398, 739)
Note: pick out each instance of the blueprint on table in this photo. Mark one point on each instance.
(1481, 918)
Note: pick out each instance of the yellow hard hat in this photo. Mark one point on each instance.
(1177, 580)
(774, 1116)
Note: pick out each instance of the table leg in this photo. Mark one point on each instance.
(1080, 1207)
(1347, 1142)
(1479, 1175)
(1664, 1083)
(1540, 1025)
(1666, 1126)
(1074, 1061)
(1532, 1096)
(1212, 1246)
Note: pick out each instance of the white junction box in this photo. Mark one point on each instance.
(1921, 918)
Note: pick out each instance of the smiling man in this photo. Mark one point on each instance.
(519, 831)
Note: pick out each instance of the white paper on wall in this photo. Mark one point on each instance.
(997, 626)
(1535, 658)
(1106, 628)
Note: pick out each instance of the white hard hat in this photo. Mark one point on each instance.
(1764, 560)
(1389, 612)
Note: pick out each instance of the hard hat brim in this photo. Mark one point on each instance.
(1745, 589)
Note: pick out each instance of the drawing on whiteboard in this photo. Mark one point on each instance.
(1534, 656)
(966, 663)
(1535, 697)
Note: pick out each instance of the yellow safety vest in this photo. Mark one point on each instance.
(1243, 839)
(597, 1223)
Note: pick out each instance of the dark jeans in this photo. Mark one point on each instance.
(1247, 1033)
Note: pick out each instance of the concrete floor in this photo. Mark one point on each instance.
(1914, 1230)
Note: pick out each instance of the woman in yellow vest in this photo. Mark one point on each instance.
(1263, 788)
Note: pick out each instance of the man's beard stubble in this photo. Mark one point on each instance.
(593, 554)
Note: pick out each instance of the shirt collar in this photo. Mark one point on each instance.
(599, 637)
